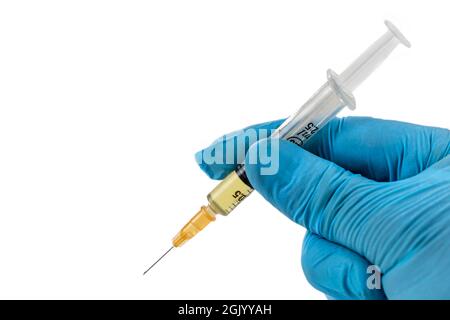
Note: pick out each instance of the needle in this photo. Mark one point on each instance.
(158, 260)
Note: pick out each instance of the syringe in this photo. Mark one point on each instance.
(324, 105)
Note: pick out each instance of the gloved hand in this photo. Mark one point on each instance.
(369, 192)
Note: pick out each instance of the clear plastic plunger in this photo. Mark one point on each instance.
(370, 59)
(337, 92)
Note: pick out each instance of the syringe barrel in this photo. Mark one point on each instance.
(323, 106)
(299, 128)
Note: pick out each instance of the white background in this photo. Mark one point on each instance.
(103, 104)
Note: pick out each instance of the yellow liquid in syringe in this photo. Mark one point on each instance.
(226, 196)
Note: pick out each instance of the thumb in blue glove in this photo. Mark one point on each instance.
(369, 192)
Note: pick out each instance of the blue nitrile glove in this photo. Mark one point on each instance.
(370, 192)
